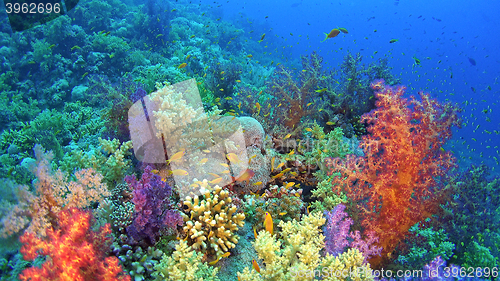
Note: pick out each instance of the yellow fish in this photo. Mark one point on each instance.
(330, 123)
(223, 256)
(182, 65)
(215, 175)
(290, 184)
(287, 136)
(258, 107)
(233, 158)
(254, 233)
(256, 266)
(309, 129)
(216, 181)
(272, 163)
(280, 165)
(321, 91)
(268, 223)
(203, 161)
(176, 157)
(179, 172)
(258, 183)
(282, 213)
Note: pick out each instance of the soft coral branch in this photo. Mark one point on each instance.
(73, 251)
(395, 184)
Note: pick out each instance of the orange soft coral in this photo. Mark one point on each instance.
(73, 251)
(395, 184)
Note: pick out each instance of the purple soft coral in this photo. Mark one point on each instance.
(337, 230)
(338, 237)
(153, 213)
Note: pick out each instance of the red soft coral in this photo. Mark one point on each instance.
(73, 251)
(395, 184)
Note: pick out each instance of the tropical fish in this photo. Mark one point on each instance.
(262, 37)
(178, 172)
(332, 34)
(177, 156)
(272, 163)
(249, 56)
(216, 181)
(343, 30)
(393, 41)
(223, 256)
(258, 107)
(290, 184)
(255, 266)
(268, 223)
(321, 91)
(75, 48)
(246, 176)
(254, 232)
(330, 123)
(203, 161)
(287, 136)
(182, 65)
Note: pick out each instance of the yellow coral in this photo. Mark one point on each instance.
(212, 220)
(185, 264)
(298, 257)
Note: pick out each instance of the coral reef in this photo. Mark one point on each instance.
(211, 221)
(153, 215)
(72, 249)
(185, 264)
(53, 193)
(402, 166)
(294, 254)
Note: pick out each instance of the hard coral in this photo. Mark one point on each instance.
(74, 251)
(295, 254)
(212, 221)
(396, 184)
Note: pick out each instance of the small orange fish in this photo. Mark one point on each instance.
(272, 163)
(255, 266)
(287, 136)
(178, 172)
(268, 223)
(216, 181)
(321, 91)
(257, 105)
(290, 184)
(332, 34)
(215, 175)
(176, 157)
(249, 56)
(203, 161)
(330, 123)
(233, 158)
(246, 176)
(182, 65)
(254, 233)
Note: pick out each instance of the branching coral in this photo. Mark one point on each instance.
(212, 221)
(295, 254)
(73, 251)
(185, 264)
(396, 184)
